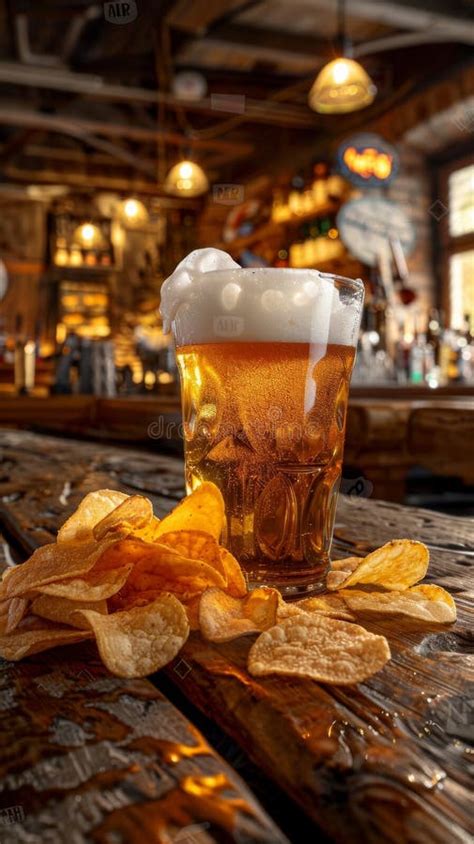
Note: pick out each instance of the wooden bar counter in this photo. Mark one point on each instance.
(389, 429)
(89, 758)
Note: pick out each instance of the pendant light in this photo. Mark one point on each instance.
(186, 179)
(132, 212)
(342, 85)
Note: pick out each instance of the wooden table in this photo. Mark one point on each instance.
(87, 757)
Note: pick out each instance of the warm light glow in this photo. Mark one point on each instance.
(368, 162)
(88, 235)
(341, 86)
(149, 380)
(186, 179)
(132, 212)
(340, 71)
(61, 333)
(165, 378)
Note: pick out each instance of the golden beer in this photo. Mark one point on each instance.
(264, 419)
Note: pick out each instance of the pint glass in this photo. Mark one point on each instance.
(265, 359)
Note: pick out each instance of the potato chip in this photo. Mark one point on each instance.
(12, 613)
(39, 636)
(323, 649)
(348, 564)
(137, 642)
(133, 514)
(424, 603)
(54, 562)
(92, 509)
(63, 611)
(235, 580)
(157, 564)
(195, 545)
(331, 606)
(335, 579)
(435, 593)
(192, 611)
(97, 587)
(396, 565)
(202, 510)
(150, 532)
(223, 618)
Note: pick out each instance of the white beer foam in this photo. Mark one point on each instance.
(209, 298)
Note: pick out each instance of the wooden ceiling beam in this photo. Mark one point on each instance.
(87, 182)
(425, 15)
(196, 16)
(77, 127)
(258, 111)
(271, 40)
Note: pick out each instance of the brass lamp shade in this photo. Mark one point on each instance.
(340, 87)
(186, 179)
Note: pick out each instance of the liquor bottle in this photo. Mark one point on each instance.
(417, 359)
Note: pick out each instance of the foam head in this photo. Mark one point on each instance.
(210, 299)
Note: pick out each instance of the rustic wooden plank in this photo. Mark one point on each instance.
(387, 760)
(89, 757)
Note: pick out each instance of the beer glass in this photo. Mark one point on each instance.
(265, 359)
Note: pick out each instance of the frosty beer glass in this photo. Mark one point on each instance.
(265, 358)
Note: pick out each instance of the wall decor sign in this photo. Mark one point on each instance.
(367, 160)
(367, 226)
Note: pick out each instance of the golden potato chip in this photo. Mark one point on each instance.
(157, 563)
(335, 579)
(321, 648)
(54, 562)
(436, 594)
(348, 564)
(396, 565)
(192, 611)
(331, 606)
(234, 576)
(424, 603)
(137, 642)
(133, 514)
(195, 545)
(92, 509)
(63, 611)
(12, 613)
(98, 585)
(150, 532)
(223, 618)
(202, 510)
(40, 636)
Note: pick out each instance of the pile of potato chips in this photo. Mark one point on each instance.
(137, 585)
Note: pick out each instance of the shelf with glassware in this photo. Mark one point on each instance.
(81, 243)
(297, 228)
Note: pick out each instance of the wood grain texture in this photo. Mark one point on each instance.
(388, 760)
(86, 757)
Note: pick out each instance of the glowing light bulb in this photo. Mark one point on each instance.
(88, 232)
(340, 71)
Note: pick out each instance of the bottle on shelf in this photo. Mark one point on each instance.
(24, 359)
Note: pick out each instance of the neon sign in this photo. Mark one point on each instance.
(367, 160)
